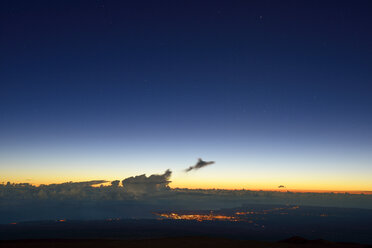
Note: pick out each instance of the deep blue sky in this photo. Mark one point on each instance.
(271, 90)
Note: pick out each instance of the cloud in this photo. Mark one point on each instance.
(139, 196)
(82, 184)
(139, 185)
(115, 183)
(199, 164)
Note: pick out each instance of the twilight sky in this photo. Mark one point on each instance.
(276, 92)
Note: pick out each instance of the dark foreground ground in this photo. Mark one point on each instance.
(177, 242)
(232, 227)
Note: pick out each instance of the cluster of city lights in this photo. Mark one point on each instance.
(211, 216)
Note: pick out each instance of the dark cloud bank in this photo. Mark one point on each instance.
(139, 196)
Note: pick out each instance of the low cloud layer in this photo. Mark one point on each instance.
(143, 185)
(200, 164)
(139, 196)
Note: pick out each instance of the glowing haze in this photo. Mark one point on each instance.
(104, 92)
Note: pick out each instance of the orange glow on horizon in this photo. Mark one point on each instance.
(300, 185)
(267, 189)
(366, 192)
(295, 190)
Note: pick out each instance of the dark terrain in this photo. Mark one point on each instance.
(178, 242)
(250, 222)
(230, 227)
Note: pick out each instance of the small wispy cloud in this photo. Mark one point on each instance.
(200, 164)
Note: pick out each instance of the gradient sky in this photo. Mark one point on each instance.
(276, 92)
